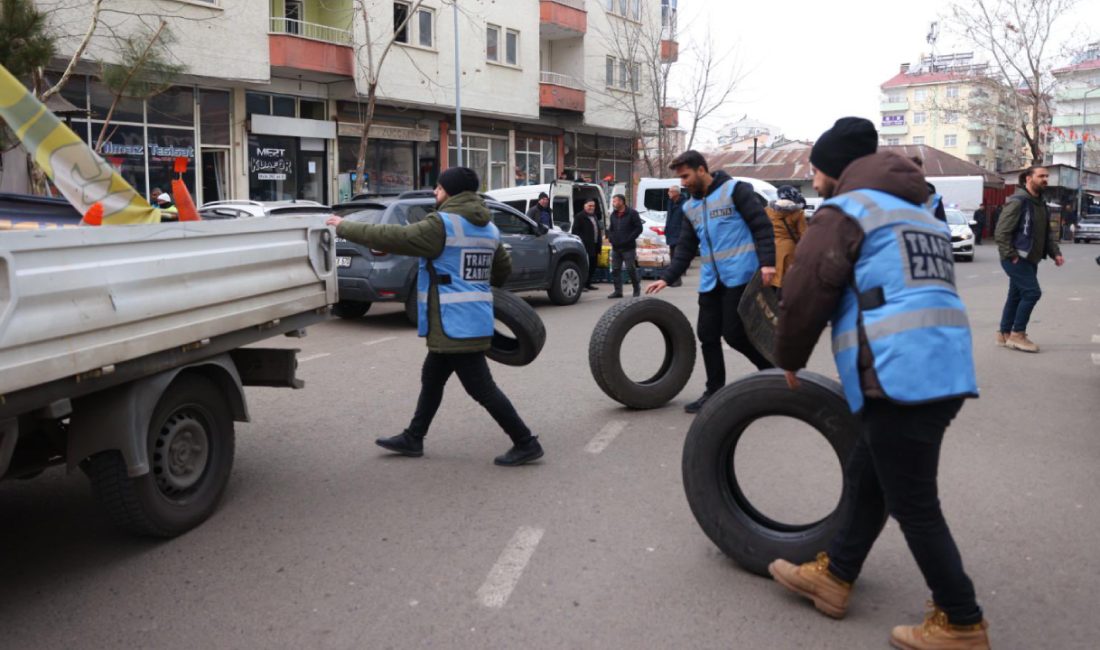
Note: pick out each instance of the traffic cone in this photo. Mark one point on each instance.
(94, 215)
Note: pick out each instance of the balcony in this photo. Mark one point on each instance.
(312, 47)
(893, 107)
(1070, 120)
(559, 92)
(560, 19)
(894, 129)
(670, 117)
(976, 149)
(670, 51)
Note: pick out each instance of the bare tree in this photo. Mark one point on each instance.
(713, 80)
(1016, 37)
(371, 55)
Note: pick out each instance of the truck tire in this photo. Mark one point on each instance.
(565, 287)
(191, 445)
(528, 329)
(741, 531)
(605, 348)
(351, 309)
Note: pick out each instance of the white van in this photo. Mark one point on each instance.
(652, 195)
(567, 198)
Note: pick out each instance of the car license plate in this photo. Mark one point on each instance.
(343, 262)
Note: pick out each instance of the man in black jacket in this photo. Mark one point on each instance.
(587, 226)
(623, 230)
(674, 222)
(723, 276)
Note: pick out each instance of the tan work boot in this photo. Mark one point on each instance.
(1020, 341)
(1000, 338)
(935, 633)
(813, 580)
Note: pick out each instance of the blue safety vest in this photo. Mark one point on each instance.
(903, 298)
(934, 201)
(725, 242)
(462, 273)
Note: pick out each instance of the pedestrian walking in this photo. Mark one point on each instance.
(878, 265)
(979, 224)
(788, 217)
(540, 212)
(733, 237)
(1024, 238)
(460, 257)
(674, 220)
(587, 226)
(623, 229)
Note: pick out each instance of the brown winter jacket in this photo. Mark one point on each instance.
(826, 259)
(789, 223)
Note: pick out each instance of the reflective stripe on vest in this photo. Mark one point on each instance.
(462, 273)
(903, 299)
(725, 242)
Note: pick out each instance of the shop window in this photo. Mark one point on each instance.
(124, 149)
(283, 106)
(175, 106)
(486, 156)
(257, 104)
(76, 91)
(164, 146)
(311, 110)
(126, 110)
(214, 117)
(272, 168)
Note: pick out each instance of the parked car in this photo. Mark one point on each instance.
(1088, 229)
(245, 209)
(962, 236)
(542, 259)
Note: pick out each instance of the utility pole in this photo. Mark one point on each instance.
(458, 90)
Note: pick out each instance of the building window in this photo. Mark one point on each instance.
(625, 8)
(624, 77)
(895, 98)
(952, 92)
(492, 40)
(950, 117)
(635, 76)
(488, 156)
(418, 29)
(918, 139)
(400, 22)
(610, 72)
(893, 142)
(424, 24)
(920, 117)
(536, 161)
(511, 47)
(920, 94)
(950, 140)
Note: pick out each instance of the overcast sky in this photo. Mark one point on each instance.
(806, 62)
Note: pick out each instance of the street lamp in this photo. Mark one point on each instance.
(1081, 153)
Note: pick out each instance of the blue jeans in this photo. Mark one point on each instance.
(1023, 294)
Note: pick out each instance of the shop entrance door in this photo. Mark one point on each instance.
(311, 176)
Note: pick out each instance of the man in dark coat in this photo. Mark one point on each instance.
(540, 212)
(623, 229)
(674, 222)
(587, 226)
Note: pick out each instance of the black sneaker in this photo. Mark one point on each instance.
(637, 291)
(698, 404)
(615, 294)
(520, 454)
(591, 287)
(678, 283)
(404, 444)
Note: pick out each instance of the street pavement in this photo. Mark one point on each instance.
(324, 541)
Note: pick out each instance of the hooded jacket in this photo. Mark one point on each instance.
(789, 222)
(427, 238)
(752, 211)
(826, 259)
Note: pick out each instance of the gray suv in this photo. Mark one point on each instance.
(552, 261)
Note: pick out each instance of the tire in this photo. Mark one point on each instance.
(176, 495)
(743, 533)
(565, 288)
(528, 329)
(411, 310)
(351, 309)
(605, 347)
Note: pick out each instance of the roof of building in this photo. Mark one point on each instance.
(903, 79)
(793, 165)
(1091, 64)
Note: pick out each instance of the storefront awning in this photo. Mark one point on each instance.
(292, 126)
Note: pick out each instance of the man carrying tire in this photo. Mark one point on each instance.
(461, 256)
(877, 262)
(733, 237)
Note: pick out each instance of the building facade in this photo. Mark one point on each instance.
(1077, 110)
(948, 102)
(272, 101)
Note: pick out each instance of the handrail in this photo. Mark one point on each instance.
(558, 79)
(313, 31)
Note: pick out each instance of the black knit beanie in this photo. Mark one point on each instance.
(457, 180)
(850, 138)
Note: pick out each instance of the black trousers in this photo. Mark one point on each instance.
(593, 261)
(630, 258)
(718, 319)
(892, 472)
(473, 371)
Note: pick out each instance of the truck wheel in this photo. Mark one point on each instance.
(565, 289)
(411, 310)
(741, 531)
(529, 333)
(605, 350)
(190, 445)
(351, 309)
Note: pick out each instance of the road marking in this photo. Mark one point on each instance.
(1096, 338)
(1096, 358)
(382, 340)
(1076, 299)
(315, 356)
(609, 432)
(505, 574)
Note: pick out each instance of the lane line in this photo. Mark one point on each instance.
(1096, 338)
(505, 574)
(311, 357)
(1076, 299)
(1096, 358)
(381, 340)
(609, 432)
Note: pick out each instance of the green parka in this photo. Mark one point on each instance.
(427, 238)
(1045, 240)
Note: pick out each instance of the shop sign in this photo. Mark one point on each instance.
(155, 150)
(893, 120)
(270, 163)
(386, 132)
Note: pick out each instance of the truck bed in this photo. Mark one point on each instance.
(76, 303)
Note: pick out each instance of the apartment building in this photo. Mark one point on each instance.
(946, 102)
(1076, 111)
(272, 102)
